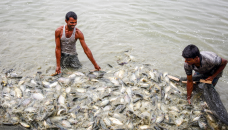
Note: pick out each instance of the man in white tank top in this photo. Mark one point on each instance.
(65, 39)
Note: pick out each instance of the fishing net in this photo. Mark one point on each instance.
(70, 61)
(214, 102)
(211, 97)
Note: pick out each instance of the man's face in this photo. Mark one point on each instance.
(71, 23)
(190, 61)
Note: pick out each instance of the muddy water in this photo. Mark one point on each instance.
(155, 32)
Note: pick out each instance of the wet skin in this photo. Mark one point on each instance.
(71, 23)
(196, 61)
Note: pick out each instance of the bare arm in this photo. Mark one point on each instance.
(220, 69)
(189, 87)
(58, 50)
(87, 50)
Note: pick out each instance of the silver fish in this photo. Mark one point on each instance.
(18, 92)
(203, 122)
(104, 103)
(66, 123)
(30, 109)
(25, 124)
(38, 96)
(160, 118)
(115, 121)
(144, 127)
(179, 121)
(61, 99)
(119, 74)
(107, 121)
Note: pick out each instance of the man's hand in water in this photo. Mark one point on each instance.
(189, 101)
(58, 70)
(97, 67)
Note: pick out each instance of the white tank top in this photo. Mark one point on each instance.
(68, 45)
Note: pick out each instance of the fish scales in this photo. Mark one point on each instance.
(126, 97)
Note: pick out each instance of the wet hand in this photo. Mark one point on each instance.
(189, 101)
(97, 67)
(58, 70)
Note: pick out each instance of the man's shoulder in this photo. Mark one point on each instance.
(210, 58)
(58, 31)
(187, 66)
(78, 33)
(78, 30)
(188, 69)
(59, 28)
(208, 54)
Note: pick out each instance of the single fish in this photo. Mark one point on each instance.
(179, 121)
(24, 124)
(61, 99)
(203, 122)
(115, 121)
(38, 96)
(104, 103)
(18, 92)
(160, 118)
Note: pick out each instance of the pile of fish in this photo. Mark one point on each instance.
(124, 97)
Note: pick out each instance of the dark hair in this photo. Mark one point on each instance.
(71, 14)
(191, 51)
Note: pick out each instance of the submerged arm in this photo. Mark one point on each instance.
(87, 50)
(189, 87)
(57, 50)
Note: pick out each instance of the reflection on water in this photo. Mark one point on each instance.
(155, 31)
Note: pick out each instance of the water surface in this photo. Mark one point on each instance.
(155, 31)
